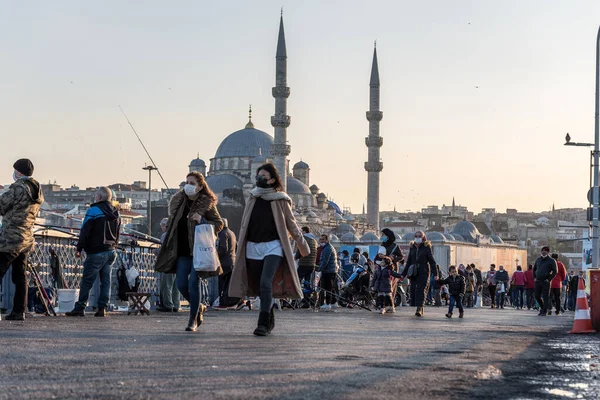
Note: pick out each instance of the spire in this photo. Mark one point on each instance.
(281, 52)
(250, 125)
(453, 203)
(374, 68)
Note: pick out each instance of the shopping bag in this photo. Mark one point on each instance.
(205, 250)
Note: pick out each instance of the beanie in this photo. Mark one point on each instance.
(24, 166)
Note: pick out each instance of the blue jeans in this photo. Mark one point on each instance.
(455, 300)
(95, 265)
(519, 290)
(188, 283)
(475, 295)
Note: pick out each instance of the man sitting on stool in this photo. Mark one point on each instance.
(99, 238)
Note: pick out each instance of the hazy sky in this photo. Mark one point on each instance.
(185, 72)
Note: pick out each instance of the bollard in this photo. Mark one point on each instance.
(594, 285)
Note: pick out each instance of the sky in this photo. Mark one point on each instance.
(477, 96)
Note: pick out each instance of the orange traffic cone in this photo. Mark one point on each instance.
(583, 322)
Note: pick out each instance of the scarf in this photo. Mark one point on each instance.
(269, 194)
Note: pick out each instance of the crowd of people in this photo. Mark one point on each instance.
(261, 262)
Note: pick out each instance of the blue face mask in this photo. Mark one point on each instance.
(385, 239)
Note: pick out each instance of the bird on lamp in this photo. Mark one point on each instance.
(568, 137)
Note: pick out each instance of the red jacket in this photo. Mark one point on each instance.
(529, 283)
(561, 274)
(519, 278)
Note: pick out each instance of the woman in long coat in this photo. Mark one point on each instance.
(420, 255)
(264, 264)
(192, 205)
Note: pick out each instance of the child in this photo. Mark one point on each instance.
(456, 288)
(382, 283)
(470, 282)
(500, 294)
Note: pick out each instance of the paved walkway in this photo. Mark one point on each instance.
(350, 354)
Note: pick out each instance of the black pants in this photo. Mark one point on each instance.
(542, 292)
(327, 282)
(419, 286)
(555, 293)
(384, 300)
(19, 263)
(492, 290)
(224, 299)
(305, 273)
(529, 295)
(263, 271)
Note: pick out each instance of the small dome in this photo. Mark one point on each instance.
(314, 187)
(458, 237)
(197, 163)
(408, 236)
(369, 237)
(294, 186)
(301, 165)
(435, 236)
(218, 183)
(322, 196)
(338, 217)
(467, 230)
(344, 228)
(311, 214)
(398, 237)
(349, 218)
(349, 237)
(449, 236)
(333, 238)
(497, 239)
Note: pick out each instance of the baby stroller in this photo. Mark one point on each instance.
(356, 288)
(310, 294)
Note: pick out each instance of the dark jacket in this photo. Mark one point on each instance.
(456, 285)
(310, 261)
(19, 207)
(544, 269)
(422, 256)
(100, 229)
(478, 276)
(226, 248)
(392, 249)
(502, 276)
(382, 279)
(203, 205)
(328, 263)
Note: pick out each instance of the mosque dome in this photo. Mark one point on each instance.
(349, 237)
(334, 239)
(458, 237)
(435, 236)
(198, 162)
(408, 236)
(301, 165)
(247, 142)
(449, 236)
(497, 239)
(345, 228)
(294, 186)
(218, 183)
(369, 237)
(467, 230)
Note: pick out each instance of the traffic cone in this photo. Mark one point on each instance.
(583, 321)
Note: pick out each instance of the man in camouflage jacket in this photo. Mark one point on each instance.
(19, 207)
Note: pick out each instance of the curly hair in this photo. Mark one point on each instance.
(202, 182)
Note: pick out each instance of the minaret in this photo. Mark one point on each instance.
(374, 142)
(280, 121)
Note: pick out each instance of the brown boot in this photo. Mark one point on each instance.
(461, 313)
(449, 315)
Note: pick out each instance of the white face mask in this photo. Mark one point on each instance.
(379, 262)
(15, 176)
(418, 240)
(190, 190)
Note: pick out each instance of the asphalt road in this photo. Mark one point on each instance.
(349, 354)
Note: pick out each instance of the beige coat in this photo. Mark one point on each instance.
(285, 283)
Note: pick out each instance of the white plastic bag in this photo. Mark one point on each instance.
(205, 250)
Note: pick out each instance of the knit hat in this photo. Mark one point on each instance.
(24, 166)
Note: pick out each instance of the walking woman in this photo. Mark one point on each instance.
(264, 264)
(193, 205)
(421, 256)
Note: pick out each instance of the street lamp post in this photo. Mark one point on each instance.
(150, 168)
(595, 191)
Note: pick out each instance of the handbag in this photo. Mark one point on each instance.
(205, 250)
(412, 271)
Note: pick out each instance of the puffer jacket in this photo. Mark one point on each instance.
(382, 279)
(310, 261)
(19, 207)
(422, 256)
(501, 276)
(328, 263)
(456, 285)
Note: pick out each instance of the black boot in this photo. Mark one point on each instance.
(101, 312)
(15, 317)
(263, 324)
(271, 319)
(192, 323)
(77, 312)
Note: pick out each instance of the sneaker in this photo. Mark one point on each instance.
(382, 311)
(325, 307)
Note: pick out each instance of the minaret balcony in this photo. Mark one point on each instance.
(282, 92)
(280, 121)
(374, 115)
(374, 141)
(373, 166)
(278, 149)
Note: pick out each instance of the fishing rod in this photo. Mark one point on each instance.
(336, 296)
(136, 235)
(146, 150)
